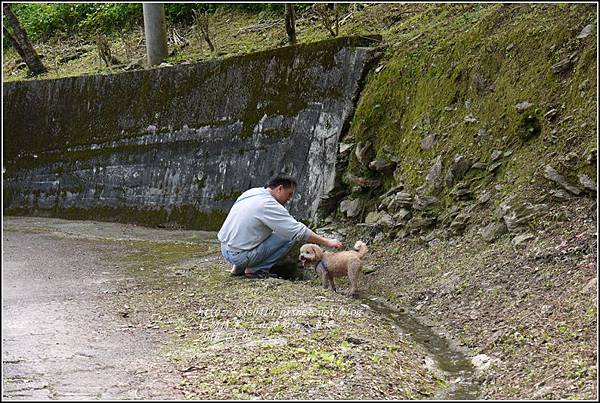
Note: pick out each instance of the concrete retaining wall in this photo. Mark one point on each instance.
(177, 145)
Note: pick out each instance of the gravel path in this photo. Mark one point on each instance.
(62, 337)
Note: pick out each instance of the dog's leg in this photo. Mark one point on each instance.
(331, 283)
(323, 277)
(353, 273)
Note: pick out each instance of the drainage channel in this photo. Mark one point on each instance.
(457, 369)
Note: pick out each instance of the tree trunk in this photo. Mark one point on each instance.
(18, 38)
(13, 42)
(290, 23)
(206, 32)
(156, 33)
(336, 11)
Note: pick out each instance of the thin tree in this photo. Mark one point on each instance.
(336, 12)
(329, 15)
(201, 21)
(13, 42)
(290, 23)
(20, 41)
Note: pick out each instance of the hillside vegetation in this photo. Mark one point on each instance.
(234, 29)
(474, 171)
(471, 170)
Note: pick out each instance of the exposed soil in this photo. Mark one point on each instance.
(137, 312)
(532, 308)
(97, 310)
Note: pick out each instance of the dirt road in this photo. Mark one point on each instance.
(62, 336)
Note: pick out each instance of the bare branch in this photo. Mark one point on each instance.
(201, 21)
(329, 17)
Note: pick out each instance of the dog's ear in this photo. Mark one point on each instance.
(318, 252)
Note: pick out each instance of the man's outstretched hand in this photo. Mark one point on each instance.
(321, 240)
(334, 243)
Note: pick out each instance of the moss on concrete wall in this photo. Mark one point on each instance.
(185, 139)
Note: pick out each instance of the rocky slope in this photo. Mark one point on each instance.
(471, 169)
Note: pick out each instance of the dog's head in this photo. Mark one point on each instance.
(310, 253)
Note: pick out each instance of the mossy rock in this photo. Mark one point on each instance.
(529, 127)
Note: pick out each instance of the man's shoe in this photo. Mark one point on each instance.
(260, 274)
(235, 271)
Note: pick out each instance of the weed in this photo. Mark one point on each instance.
(591, 314)
(285, 368)
(277, 328)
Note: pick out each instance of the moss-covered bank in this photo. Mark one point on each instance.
(457, 73)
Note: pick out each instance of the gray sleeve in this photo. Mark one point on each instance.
(276, 217)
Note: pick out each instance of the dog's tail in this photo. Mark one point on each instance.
(361, 248)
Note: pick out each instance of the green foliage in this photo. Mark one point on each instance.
(257, 7)
(176, 13)
(109, 18)
(276, 328)
(326, 359)
(45, 20)
(278, 8)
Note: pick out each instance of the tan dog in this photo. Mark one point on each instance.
(330, 265)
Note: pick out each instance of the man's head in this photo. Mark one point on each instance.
(282, 187)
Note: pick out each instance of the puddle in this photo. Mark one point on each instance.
(457, 369)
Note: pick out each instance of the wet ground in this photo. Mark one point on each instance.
(530, 308)
(452, 362)
(111, 311)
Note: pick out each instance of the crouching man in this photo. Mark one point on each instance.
(259, 230)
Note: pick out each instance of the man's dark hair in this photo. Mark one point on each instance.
(281, 179)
